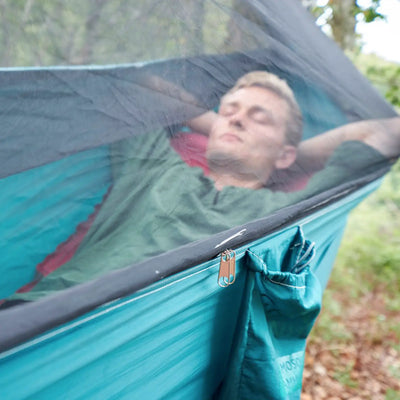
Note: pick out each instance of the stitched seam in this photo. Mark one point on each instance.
(284, 284)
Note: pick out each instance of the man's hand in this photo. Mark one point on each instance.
(204, 119)
(385, 137)
(381, 134)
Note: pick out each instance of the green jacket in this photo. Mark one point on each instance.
(158, 203)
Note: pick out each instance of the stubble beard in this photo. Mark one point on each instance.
(224, 163)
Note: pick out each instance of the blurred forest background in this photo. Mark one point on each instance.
(354, 350)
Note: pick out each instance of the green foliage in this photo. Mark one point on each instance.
(368, 262)
(344, 377)
(75, 32)
(330, 327)
(370, 14)
(392, 394)
(369, 255)
(384, 75)
(342, 16)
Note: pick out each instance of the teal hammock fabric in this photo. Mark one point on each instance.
(283, 298)
(185, 337)
(41, 207)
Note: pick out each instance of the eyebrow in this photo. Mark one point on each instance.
(229, 102)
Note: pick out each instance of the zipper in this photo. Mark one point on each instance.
(227, 270)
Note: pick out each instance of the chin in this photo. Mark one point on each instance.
(223, 158)
(220, 153)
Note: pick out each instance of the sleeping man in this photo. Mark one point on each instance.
(158, 203)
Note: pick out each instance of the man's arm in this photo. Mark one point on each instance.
(204, 119)
(383, 135)
(203, 123)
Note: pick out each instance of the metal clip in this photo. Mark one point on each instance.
(227, 274)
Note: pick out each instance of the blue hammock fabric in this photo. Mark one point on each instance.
(283, 305)
(184, 336)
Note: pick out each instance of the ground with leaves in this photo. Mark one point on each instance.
(354, 349)
(363, 364)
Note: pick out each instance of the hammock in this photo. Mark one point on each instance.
(128, 272)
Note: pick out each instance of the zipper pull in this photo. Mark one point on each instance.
(227, 274)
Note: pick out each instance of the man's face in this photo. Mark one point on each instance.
(249, 132)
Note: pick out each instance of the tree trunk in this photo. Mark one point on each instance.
(343, 22)
(194, 23)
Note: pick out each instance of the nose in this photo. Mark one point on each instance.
(237, 120)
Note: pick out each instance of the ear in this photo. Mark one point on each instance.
(286, 157)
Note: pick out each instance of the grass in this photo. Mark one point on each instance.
(357, 335)
(368, 261)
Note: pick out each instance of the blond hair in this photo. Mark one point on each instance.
(294, 123)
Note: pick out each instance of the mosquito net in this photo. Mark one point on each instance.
(122, 138)
(151, 152)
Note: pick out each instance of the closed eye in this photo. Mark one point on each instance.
(261, 116)
(227, 109)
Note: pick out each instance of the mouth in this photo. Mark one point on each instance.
(231, 137)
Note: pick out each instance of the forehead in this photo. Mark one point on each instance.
(255, 96)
